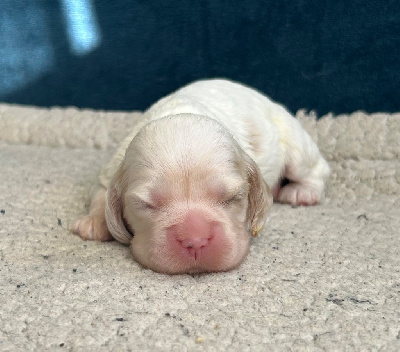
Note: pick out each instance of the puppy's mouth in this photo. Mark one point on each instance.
(173, 264)
(214, 256)
(199, 265)
(195, 266)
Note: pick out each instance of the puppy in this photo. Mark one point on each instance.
(192, 182)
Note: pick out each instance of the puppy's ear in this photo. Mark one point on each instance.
(260, 197)
(115, 207)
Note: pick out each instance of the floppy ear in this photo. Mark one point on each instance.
(260, 197)
(114, 207)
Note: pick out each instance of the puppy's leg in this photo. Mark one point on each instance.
(94, 226)
(306, 170)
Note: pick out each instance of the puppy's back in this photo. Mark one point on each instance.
(254, 121)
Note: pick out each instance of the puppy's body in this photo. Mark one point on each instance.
(263, 129)
(192, 179)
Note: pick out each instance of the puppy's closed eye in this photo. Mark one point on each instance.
(230, 192)
(233, 199)
(142, 203)
(146, 205)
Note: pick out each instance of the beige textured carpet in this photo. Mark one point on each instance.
(319, 278)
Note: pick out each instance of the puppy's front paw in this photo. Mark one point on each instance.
(298, 194)
(92, 228)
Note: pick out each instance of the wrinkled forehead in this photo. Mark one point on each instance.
(195, 146)
(188, 162)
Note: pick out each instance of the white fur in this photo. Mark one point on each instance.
(212, 135)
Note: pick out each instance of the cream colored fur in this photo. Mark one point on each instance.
(214, 146)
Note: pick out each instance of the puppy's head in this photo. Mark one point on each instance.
(187, 197)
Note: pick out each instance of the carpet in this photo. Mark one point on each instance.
(319, 278)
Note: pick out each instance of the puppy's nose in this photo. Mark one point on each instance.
(194, 233)
(194, 245)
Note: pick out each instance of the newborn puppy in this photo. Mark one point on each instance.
(192, 182)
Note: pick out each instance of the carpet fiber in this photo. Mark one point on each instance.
(319, 278)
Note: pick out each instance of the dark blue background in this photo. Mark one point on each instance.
(337, 56)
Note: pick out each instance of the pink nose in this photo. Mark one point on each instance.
(194, 245)
(194, 233)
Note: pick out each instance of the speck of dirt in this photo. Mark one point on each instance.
(184, 329)
(333, 299)
(359, 301)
